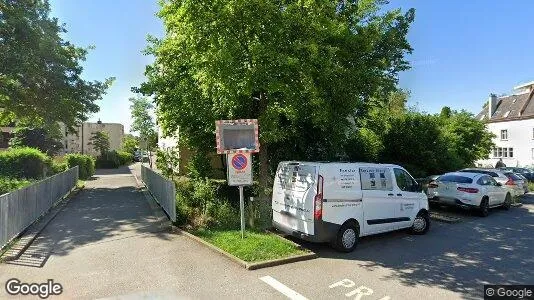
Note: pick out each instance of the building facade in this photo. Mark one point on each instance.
(511, 119)
(79, 141)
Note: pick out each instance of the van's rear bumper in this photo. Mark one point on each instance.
(323, 231)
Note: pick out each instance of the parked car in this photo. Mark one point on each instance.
(470, 190)
(525, 180)
(498, 175)
(527, 173)
(340, 202)
(517, 183)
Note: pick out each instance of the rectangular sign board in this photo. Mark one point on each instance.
(239, 169)
(237, 136)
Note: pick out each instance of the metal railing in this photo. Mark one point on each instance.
(163, 190)
(20, 208)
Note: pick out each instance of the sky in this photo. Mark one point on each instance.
(463, 50)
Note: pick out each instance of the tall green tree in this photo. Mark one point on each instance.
(303, 68)
(47, 140)
(40, 72)
(100, 142)
(130, 143)
(141, 109)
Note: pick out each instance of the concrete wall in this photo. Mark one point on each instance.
(520, 138)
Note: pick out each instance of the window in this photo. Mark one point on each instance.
(484, 180)
(455, 178)
(405, 182)
(499, 152)
(504, 135)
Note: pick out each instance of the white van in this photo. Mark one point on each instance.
(340, 202)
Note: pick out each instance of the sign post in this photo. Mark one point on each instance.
(238, 139)
(240, 174)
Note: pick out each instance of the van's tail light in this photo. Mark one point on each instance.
(467, 190)
(318, 201)
(433, 185)
(510, 182)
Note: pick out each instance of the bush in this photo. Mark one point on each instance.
(108, 160)
(208, 203)
(125, 158)
(58, 167)
(10, 184)
(25, 162)
(86, 164)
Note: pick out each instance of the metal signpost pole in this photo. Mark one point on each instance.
(242, 208)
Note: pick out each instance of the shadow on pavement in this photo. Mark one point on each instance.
(118, 171)
(95, 215)
(459, 257)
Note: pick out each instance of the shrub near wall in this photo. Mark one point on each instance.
(86, 164)
(26, 162)
(125, 158)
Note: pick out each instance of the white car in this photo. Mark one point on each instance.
(469, 190)
(501, 177)
(340, 202)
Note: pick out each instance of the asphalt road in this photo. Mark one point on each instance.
(106, 243)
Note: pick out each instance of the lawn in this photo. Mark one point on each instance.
(256, 246)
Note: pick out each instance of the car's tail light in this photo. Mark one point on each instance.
(433, 185)
(468, 190)
(318, 201)
(510, 182)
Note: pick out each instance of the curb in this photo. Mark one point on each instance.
(242, 263)
(444, 218)
(31, 233)
(516, 204)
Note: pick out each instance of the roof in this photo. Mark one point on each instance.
(509, 108)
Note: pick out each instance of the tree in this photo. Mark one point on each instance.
(100, 142)
(45, 139)
(40, 72)
(303, 68)
(130, 143)
(143, 123)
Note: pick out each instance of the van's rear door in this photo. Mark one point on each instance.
(294, 188)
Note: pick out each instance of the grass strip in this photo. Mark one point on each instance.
(256, 246)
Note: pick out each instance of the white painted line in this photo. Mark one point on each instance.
(275, 284)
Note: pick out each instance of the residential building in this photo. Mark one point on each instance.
(79, 141)
(511, 119)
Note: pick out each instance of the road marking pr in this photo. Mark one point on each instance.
(277, 285)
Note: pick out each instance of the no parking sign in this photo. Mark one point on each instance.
(239, 169)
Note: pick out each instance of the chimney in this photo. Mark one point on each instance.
(492, 105)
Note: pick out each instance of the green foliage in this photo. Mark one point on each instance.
(238, 63)
(86, 164)
(167, 161)
(108, 160)
(125, 158)
(29, 163)
(256, 246)
(43, 139)
(100, 142)
(41, 73)
(58, 167)
(207, 203)
(199, 165)
(8, 184)
(130, 143)
(142, 121)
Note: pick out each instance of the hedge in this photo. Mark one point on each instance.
(29, 163)
(86, 164)
(125, 158)
(10, 184)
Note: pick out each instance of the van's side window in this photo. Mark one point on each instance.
(405, 181)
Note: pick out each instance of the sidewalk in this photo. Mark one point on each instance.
(107, 242)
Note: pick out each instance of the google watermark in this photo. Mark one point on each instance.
(508, 291)
(43, 290)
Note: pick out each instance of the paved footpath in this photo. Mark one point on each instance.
(107, 243)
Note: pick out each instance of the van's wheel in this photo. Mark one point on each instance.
(507, 202)
(347, 237)
(484, 207)
(421, 223)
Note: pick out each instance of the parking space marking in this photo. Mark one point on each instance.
(277, 285)
(360, 292)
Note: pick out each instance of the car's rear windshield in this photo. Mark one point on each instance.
(513, 176)
(492, 174)
(455, 178)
